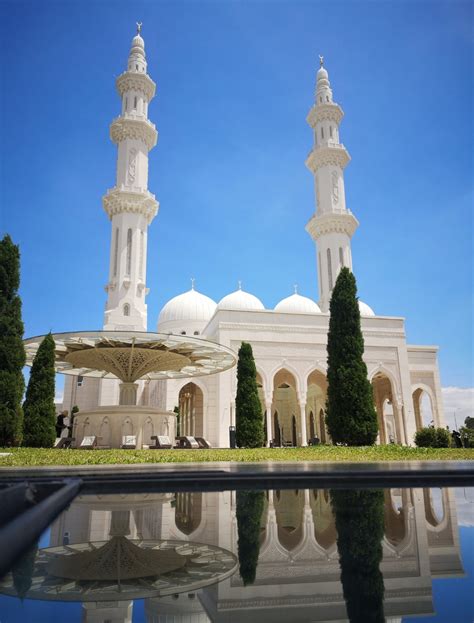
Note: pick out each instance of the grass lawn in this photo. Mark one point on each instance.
(41, 456)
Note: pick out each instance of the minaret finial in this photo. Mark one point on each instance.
(239, 283)
(192, 283)
(139, 27)
(321, 60)
(296, 288)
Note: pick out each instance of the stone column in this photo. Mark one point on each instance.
(304, 437)
(128, 393)
(268, 416)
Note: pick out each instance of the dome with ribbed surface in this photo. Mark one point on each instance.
(297, 304)
(365, 310)
(187, 313)
(240, 300)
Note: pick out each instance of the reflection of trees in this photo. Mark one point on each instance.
(188, 511)
(23, 570)
(360, 527)
(249, 514)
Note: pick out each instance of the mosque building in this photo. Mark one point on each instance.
(289, 341)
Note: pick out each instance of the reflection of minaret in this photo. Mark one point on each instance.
(332, 225)
(129, 205)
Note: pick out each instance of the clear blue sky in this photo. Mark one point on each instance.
(235, 82)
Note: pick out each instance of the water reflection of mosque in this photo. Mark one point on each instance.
(298, 574)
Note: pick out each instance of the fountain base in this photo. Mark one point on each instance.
(111, 423)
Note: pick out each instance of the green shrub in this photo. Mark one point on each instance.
(432, 438)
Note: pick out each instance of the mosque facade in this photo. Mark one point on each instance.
(289, 341)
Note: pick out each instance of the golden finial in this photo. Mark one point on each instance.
(139, 27)
(321, 60)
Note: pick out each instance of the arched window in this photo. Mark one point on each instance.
(322, 132)
(320, 100)
(126, 104)
(330, 131)
(129, 251)
(341, 256)
(142, 242)
(126, 309)
(196, 332)
(320, 273)
(116, 250)
(135, 102)
(327, 98)
(328, 255)
(183, 332)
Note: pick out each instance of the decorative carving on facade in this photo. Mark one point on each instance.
(335, 186)
(335, 155)
(132, 166)
(131, 81)
(322, 224)
(325, 112)
(117, 201)
(134, 128)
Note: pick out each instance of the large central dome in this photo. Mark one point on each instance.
(186, 314)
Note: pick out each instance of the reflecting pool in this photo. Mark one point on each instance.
(270, 555)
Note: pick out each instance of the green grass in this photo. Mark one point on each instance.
(20, 457)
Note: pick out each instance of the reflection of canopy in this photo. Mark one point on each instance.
(116, 570)
(119, 559)
(133, 355)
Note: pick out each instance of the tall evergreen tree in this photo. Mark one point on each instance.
(249, 516)
(40, 417)
(248, 410)
(12, 352)
(351, 416)
(359, 517)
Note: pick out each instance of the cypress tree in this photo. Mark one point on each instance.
(351, 416)
(12, 352)
(359, 517)
(248, 410)
(249, 516)
(40, 413)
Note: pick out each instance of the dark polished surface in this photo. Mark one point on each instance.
(281, 555)
(215, 476)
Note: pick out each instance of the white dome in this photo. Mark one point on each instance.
(240, 300)
(365, 310)
(188, 312)
(297, 304)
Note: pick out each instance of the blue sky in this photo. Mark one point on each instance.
(235, 82)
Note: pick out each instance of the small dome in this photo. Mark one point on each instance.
(240, 300)
(137, 41)
(365, 310)
(188, 312)
(322, 73)
(297, 304)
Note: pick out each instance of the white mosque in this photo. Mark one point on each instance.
(289, 341)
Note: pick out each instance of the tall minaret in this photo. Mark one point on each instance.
(332, 225)
(129, 205)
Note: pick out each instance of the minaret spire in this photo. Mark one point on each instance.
(129, 205)
(332, 225)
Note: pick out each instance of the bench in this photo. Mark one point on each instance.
(88, 443)
(129, 442)
(162, 442)
(63, 442)
(187, 442)
(203, 443)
